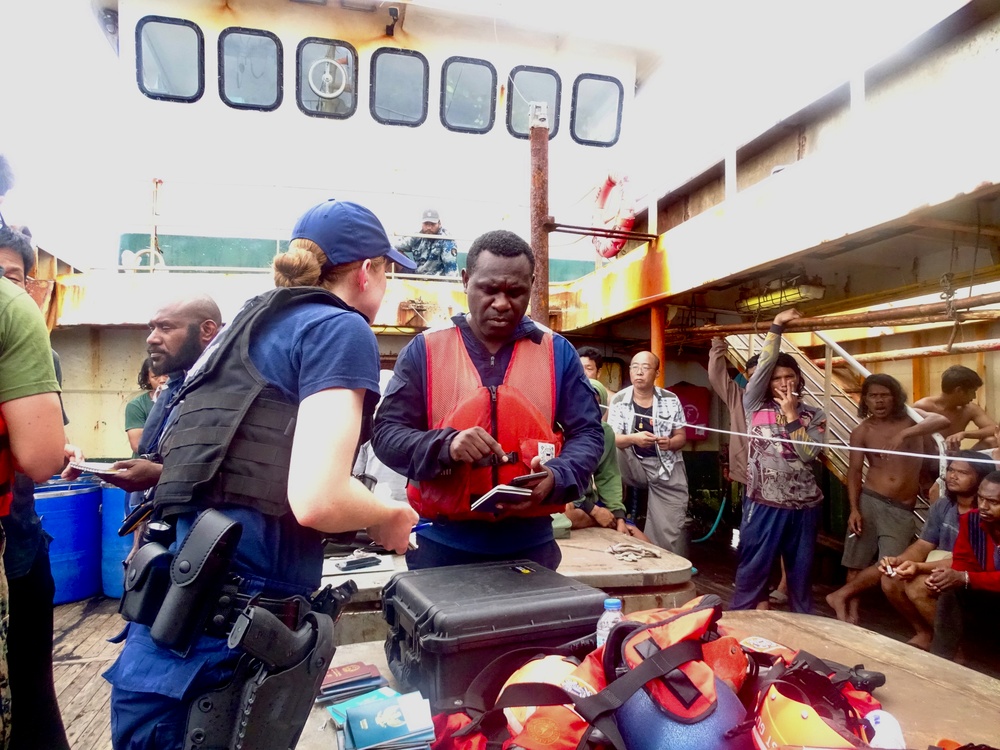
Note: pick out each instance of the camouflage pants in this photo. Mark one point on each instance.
(4, 681)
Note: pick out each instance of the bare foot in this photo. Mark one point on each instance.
(921, 640)
(854, 611)
(838, 603)
(764, 605)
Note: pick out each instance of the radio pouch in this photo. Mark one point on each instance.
(198, 571)
(147, 578)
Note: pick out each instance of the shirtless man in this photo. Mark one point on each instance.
(958, 391)
(881, 523)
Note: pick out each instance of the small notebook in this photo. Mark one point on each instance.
(503, 494)
(357, 670)
(391, 723)
(95, 467)
(339, 710)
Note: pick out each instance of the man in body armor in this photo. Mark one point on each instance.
(492, 397)
(257, 453)
(178, 333)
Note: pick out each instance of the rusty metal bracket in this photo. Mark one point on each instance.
(553, 226)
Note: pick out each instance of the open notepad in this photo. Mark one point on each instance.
(95, 467)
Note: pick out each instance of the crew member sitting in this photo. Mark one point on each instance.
(973, 580)
(904, 576)
(602, 504)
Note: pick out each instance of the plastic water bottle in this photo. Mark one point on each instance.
(612, 614)
(887, 732)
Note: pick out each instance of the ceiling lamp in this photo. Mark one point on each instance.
(780, 293)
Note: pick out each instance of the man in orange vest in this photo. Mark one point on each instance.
(489, 398)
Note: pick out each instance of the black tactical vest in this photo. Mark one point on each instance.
(231, 440)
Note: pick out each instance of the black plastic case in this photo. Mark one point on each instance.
(446, 624)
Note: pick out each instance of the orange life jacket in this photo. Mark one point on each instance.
(519, 413)
(6, 469)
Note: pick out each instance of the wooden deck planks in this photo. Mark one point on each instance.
(81, 651)
(80, 654)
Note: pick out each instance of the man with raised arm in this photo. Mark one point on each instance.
(783, 516)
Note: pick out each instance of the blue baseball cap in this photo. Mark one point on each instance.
(347, 232)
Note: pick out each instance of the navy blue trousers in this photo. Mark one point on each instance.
(430, 554)
(766, 534)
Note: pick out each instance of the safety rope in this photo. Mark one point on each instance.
(811, 443)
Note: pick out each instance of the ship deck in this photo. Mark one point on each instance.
(82, 653)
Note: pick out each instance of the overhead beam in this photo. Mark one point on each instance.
(960, 227)
(943, 350)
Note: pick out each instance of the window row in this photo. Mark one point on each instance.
(170, 65)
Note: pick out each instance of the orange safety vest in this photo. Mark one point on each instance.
(6, 469)
(519, 413)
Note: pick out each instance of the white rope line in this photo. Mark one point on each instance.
(840, 446)
(837, 445)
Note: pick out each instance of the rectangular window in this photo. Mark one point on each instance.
(399, 87)
(468, 95)
(526, 85)
(169, 59)
(596, 118)
(327, 83)
(250, 69)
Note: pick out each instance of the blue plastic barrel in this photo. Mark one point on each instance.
(114, 548)
(71, 514)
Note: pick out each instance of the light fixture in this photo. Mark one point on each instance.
(310, 2)
(365, 6)
(780, 293)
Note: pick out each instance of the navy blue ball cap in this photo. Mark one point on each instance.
(347, 232)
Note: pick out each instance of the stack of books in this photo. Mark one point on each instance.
(399, 722)
(348, 681)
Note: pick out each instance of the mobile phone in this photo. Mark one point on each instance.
(527, 478)
(356, 563)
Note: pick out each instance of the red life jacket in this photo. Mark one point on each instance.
(6, 469)
(519, 413)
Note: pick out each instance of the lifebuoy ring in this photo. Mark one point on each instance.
(613, 210)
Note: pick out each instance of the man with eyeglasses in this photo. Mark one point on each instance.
(973, 580)
(649, 433)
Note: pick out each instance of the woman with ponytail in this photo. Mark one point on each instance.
(266, 428)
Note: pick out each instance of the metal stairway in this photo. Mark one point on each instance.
(824, 389)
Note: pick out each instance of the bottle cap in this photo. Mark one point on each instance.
(612, 603)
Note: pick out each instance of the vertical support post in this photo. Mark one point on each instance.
(828, 385)
(538, 123)
(657, 345)
(730, 176)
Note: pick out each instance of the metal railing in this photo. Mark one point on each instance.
(823, 391)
